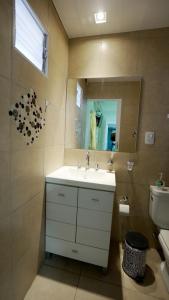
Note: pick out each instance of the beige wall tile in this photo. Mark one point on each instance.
(4, 116)
(27, 162)
(153, 54)
(56, 87)
(25, 73)
(87, 51)
(78, 157)
(112, 51)
(22, 167)
(5, 201)
(54, 158)
(27, 224)
(40, 7)
(18, 142)
(57, 40)
(5, 37)
(155, 93)
(158, 123)
(138, 198)
(148, 166)
(27, 176)
(5, 259)
(23, 189)
(57, 120)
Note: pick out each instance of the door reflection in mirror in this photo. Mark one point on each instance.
(102, 124)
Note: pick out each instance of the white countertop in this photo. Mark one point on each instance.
(80, 177)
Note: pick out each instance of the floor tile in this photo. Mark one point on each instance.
(64, 263)
(113, 274)
(52, 284)
(153, 284)
(62, 278)
(132, 295)
(90, 289)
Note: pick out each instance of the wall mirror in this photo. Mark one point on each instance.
(102, 114)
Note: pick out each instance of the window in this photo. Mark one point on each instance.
(30, 36)
(79, 95)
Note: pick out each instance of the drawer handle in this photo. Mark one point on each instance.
(152, 198)
(61, 194)
(74, 251)
(95, 199)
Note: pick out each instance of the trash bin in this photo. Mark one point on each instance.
(134, 255)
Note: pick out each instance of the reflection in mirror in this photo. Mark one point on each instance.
(102, 124)
(102, 114)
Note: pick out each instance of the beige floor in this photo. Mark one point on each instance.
(66, 279)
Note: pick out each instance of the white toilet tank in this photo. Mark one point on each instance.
(159, 206)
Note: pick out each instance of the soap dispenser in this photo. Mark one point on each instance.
(110, 164)
(160, 182)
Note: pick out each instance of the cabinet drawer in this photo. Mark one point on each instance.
(80, 252)
(97, 200)
(61, 213)
(92, 237)
(60, 230)
(61, 194)
(94, 219)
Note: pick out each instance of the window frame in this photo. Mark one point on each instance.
(44, 70)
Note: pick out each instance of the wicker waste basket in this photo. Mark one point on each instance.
(134, 255)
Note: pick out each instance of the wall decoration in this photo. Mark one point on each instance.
(28, 116)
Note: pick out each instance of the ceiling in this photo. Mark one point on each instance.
(77, 16)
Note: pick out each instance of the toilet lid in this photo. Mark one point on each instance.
(165, 236)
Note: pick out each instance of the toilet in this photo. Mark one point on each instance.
(159, 213)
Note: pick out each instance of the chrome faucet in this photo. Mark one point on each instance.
(87, 160)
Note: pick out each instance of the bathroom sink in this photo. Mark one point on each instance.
(80, 177)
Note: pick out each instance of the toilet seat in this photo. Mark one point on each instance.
(164, 237)
(164, 241)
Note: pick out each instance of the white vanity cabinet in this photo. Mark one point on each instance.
(78, 222)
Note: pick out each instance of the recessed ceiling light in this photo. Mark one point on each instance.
(100, 17)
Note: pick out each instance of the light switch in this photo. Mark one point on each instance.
(149, 137)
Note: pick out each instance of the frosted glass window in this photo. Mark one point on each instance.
(79, 95)
(30, 36)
